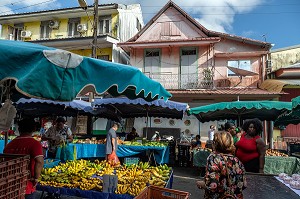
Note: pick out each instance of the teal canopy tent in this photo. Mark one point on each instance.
(39, 108)
(49, 73)
(291, 117)
(240, 110)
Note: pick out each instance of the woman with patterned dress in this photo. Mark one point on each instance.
(224, 176)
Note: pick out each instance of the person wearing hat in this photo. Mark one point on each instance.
(58, 134)
(156, 136)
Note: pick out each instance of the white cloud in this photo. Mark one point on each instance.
(215, 15)
(248, 33)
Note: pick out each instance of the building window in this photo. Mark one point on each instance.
(241, 64)
(104, 25)
(16, 31)
(138, 24)
(170, 28)
(72, 27)
(152, 63)
(45, 30)
(103, 57)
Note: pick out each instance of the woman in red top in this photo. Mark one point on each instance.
(251, 148)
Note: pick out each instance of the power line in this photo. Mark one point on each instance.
(11, 4)
(28, 6)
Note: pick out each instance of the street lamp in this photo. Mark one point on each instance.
(84, 6)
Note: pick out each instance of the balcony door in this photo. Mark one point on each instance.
(188, 67)
(152, 64)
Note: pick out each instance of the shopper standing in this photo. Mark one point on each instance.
(111, 140)
(225, 173)
(251, 148)
(25, 144)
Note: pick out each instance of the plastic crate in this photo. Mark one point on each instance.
(49, 163)
(13, 164)
(153, 192)
(131, 160)
(14, 187)
(13, 175)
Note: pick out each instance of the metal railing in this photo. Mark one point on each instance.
(181, 81)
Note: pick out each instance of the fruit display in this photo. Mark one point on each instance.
(146, 143)
(293, 181)
(272, 152)
(86, 175)
(203, 149)
(93, 141)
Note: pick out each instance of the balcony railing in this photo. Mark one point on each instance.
(182, 81)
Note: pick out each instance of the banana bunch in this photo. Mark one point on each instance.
(122, 189)
(91, 183)
(144, 165)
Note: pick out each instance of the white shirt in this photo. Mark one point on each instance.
(211, 133)
(58, 136)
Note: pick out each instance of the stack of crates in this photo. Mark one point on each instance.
(184, 157)
(172, 152)
(13, 176)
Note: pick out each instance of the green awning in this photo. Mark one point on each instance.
(49, 73)
(239, 110)
(292, 117)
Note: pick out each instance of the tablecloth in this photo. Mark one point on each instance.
(83, 194)
(294, 190)
(200, 157)
(277, 165)
(2, 142)
(98, 150)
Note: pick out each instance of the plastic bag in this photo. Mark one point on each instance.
(66, 152)
(113, 159)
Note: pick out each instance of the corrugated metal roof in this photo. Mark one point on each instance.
(276, 85)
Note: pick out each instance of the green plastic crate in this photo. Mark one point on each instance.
(131, 160)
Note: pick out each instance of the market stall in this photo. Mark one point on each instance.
(82, 193)
(97, 179)
(275, 162)
(277, 165)
(98, 150)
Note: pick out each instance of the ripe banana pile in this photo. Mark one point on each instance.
(86, 175)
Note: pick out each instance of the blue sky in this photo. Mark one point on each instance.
(274, 21)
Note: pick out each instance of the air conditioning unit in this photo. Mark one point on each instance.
(25, 34)
(81, 27)
(54, 24)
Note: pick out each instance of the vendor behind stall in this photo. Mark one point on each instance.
(58, 134)
(196, 143)
(132, 135)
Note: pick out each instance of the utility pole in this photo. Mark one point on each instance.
(95, 30)
(84, 6)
